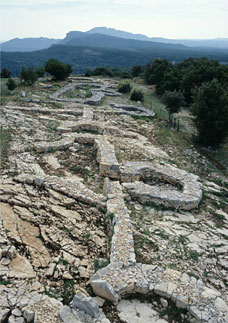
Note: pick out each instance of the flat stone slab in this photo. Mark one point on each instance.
(74, 189)
(132, 110)
(44, 147)
(134, 311)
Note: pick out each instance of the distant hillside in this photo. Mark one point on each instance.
(103, 37)
(83, 57)
(117, 33)
(105, 41)
(215, 43)
(27, 44)
(212, 43)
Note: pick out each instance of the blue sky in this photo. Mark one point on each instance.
(155, 18)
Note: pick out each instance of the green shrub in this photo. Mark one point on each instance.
(11, 84)
(88, 72)
(124, 87)
(137, 95)
(126, 75)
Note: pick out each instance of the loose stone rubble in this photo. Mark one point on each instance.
(55, 226)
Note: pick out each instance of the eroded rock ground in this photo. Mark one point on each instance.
(84, 184)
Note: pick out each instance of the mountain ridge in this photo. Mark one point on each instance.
(38, 43)
(28, 44)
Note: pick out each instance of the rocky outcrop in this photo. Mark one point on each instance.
(75, 189)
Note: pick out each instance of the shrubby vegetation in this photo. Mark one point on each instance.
(137, 95)
(137, 70)
(11, 84)
(124, 87)
(28, 76)
(184, 76)
(104, 71)
(110, 72)
(200, 82)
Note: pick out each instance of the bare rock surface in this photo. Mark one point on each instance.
(91, 203)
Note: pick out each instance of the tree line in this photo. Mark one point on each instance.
(198, 83)
(28, 76)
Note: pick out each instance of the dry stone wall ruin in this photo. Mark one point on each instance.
(153, 182)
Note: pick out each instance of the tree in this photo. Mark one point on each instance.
(137, 70)
(40, 71)
(210, 111)
(169, 82)
(173, 101)
(195, 71)
(11, 84)
(57, 69)
(28, 76)
(5, 73)
(154, 72)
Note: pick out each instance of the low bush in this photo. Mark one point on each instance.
(124, 87)
(11, 84)
(137, 95)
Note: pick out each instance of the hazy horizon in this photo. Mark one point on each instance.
(44, 36)
(193, 19)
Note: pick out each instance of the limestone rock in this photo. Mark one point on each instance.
(68, 316)
(86, 304)
(105, 290)
(21, 268)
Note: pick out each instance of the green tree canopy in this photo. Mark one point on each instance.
(173, 101)
(57, 69)
(154, 72)
(210, 111)
(28, 76)
(137, 70)
(5, 73)
(195, 71)
(40, 71)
